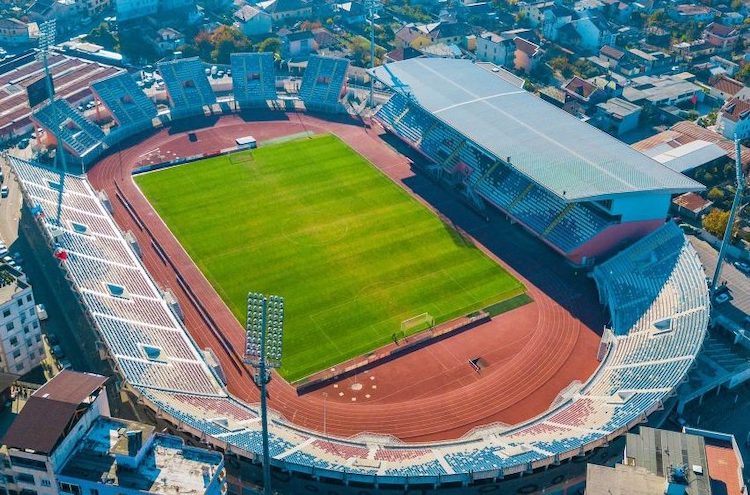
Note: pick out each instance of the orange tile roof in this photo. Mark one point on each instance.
(724, 467)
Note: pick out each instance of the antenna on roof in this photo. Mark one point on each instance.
(740, 177)
(47, 31)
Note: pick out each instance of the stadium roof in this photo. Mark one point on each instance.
(570, 158)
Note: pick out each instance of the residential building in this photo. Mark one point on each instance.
(13, 32)
(21, 346)
(693, 13)
(685, 132)
(527, 55)
(409, 35)
(657, 462)
(286, 10)
(689, 50)
(616, 116)
(323, 38)
(648, 62)
(253, 21)
(586, 93)
(594, 32)
(663, 90)
(691, 205)
(724, 38)
(351, 13)
(611, 55)
(724, 87)
(168, 39)
(298, 44)
(548, 16)
(64, 441)
(495, 48)
(734, 119)
(399, 54)
(128, 10)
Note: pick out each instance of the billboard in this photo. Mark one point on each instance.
(37, 91)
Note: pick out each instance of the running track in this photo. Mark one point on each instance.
(432, 394)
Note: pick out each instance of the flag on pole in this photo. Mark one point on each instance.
(694, 100)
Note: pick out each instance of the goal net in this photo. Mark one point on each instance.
(417, 324)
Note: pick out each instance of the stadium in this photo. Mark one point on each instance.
(512, 196)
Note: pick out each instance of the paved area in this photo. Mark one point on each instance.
(739, 283)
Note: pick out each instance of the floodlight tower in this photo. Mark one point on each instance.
(47, 31)
(740, 178)
(263, 346)
(372, 7)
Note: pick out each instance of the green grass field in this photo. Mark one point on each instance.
(311, 220)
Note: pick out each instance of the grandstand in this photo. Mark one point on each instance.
(649, 353)
(253, 79)
(131, 109)
(576, 188)
(323, 83)
(71, 77)
(81, 138)
(188, 88)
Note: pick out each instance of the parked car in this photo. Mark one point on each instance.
(58, 352)
(742, 266)
(721, 298)
(23, 143)
(52, 339)
(65, 364)
(4, 191)
(17, 257)
(41, 312)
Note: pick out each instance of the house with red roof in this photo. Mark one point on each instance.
(734, 119)
(724, 38)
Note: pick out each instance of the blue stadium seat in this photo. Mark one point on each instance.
(322, 83)
(253, 79)
(188, 87)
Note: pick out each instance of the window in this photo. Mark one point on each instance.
(6, 313)
(10, 326)
(13, 341)
(28, 298)
(45, 482)
(38, 337)
(70, 488)
(32, 355)
(19, 302)
(93, 491)
(28, 463)
(26, 329)
(25, 478)
(16, 354)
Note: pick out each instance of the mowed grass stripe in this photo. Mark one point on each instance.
(311, 220)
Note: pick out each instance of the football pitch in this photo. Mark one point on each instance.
(311, 220)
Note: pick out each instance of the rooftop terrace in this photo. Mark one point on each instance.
(168, 466)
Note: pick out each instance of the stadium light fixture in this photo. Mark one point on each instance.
(263, 348)
(47, 34)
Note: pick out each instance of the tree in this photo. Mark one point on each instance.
(560, 64)
(744, 74)
(101, 35)
(715, 194)
(272, 44)
(716, 222)
(226, 40)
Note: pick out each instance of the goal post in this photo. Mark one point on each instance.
(417, 324)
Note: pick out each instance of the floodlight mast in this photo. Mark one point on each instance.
(740, 178)
(372, 7)
(47, 31)
(263, 324)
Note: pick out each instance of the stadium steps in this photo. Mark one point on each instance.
(448, 163)
(400, 117)
(558, 219)
(520, 197)
(427, 132)
(486, 174)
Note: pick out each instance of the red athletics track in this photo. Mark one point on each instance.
(532, 352)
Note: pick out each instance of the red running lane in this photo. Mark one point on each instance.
(533, 352)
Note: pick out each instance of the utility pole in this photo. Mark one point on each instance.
(372, 8)
(740, 178)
